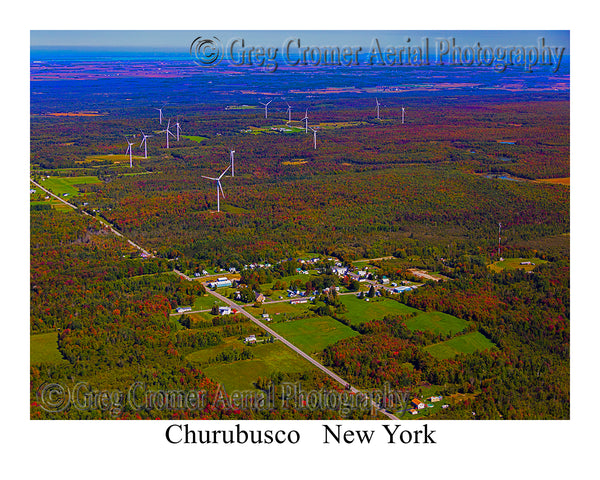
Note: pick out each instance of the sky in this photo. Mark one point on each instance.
(181, 39)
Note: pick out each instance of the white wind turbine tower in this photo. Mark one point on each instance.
(145, 143)
(129, 151)
(402, 115)
(160, 113)
(305, 119)
(289, 110)
(219, 187)
(377, 105)
(178, 128)
(167, 132)
(266, 106)
(231, 152)
(315, 135)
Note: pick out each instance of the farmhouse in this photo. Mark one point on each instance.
(250, 339)
(224, 310)
(418, 404)
(434, 399)
(259, 297)
(184, 309)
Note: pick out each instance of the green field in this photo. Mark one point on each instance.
(468, 343)
(43, 348)
(61, 185)
(436, 322)
(361, 311)
(195, 138)
(280, 308)
(313, 334)
(205, 302)
(515, 263)
(268, 359)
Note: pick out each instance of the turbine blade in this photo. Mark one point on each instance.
(224, 172)
(221, 188)
(209, 178)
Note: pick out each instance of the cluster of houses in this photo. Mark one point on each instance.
(418, 404)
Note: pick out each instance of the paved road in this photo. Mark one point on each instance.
(232, 304)
(290, 345)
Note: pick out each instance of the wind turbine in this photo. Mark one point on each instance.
(129, 151)
(377, 105)
(266, 105)
(289, 110)
(219, 187)
(160, 113)
(402, 115)
(315, 135)
(231, 152)
(145, 143)
(167, 132)
(306, 120)
(178, 128)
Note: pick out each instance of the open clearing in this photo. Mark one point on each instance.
(361, 311)
(62, 185)
(43, 348)
(268, 359)
(469, 343)
(436, 322)
(515, 263)
(313, 334)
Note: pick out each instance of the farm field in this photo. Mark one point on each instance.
(62, 185)
(469, 343)
(280, 308)
(43, 348)
(241, 375)
(361, 311)
(313, 334)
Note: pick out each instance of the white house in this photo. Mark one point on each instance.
(184, 309)
(224, 310)
(250, 339)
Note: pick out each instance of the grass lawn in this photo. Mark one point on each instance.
(277, 309)
(361, 311)
(436, 322)
(313, 334)
(468, 343)
(514, 263)
(268, 359)
(60, 185)
(43, 348)
(206, 302)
